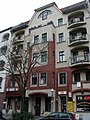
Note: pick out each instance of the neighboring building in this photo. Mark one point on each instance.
(5, 37)
(61, 82)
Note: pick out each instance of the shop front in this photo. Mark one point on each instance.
(83, 103)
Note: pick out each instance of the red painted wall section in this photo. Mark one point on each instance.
(1, 100)
(49, 69)
(68, 86)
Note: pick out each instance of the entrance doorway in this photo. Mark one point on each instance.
(63, 103)
(37, 105)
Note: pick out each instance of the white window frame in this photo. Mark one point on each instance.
(62, 56)
(59, 79)
(41, 84)
(32, 79)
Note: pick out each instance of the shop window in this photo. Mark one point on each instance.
(34, 78)
(61, 78)
(83, 103)
(47, 104)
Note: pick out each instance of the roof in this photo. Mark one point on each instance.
(20, 26)
(5, 29)
(46, 6)
(74, 7)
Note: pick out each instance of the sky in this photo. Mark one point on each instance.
(13, 12)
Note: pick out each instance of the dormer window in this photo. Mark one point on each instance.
(44, 14)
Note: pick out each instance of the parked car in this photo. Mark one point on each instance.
(59, 116)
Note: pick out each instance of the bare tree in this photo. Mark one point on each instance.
(20, 65)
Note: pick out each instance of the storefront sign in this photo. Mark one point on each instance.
(70, 106)
(62, 92)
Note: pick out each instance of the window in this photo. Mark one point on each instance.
(60, 21)
(3, 50)
(77, 77)
(34, 79)
(47, 104)
(44, 37)
(86, 55)
(44, 14)
(2, 63)
(75, 56)
(61, 56)
(0, 82)
(88, 76)
(61, 37)
(62, 78)
(36, 38)
(5, 37)
(53, 37)
(43, 78)
(43, 56)
(12, 83)
(35, 56)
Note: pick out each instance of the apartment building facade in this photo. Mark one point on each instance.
(61, 82)
(5, 37)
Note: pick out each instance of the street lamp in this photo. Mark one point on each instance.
(52, 99)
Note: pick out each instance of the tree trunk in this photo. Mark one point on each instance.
(23, 100)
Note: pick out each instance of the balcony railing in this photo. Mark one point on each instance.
(74, 21)
(83, 59)
(78, 39)
(18, 39)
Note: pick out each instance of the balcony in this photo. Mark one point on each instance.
(18, 39)
(80, 60)
(75, 87)
(16, 54)
(76, 40)
(85, 85)
(74, 22)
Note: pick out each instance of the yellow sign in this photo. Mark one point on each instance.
(70, 106)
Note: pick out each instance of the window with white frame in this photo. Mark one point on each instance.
(0, 82)
(44, 56)
(42, 78)
(35, 56)
(34, 79)
(61, 37)
(60, 21)
(61, 56)
(44, 37)
(36, 39)
(61, 78)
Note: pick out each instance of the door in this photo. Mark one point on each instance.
(37, 105)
